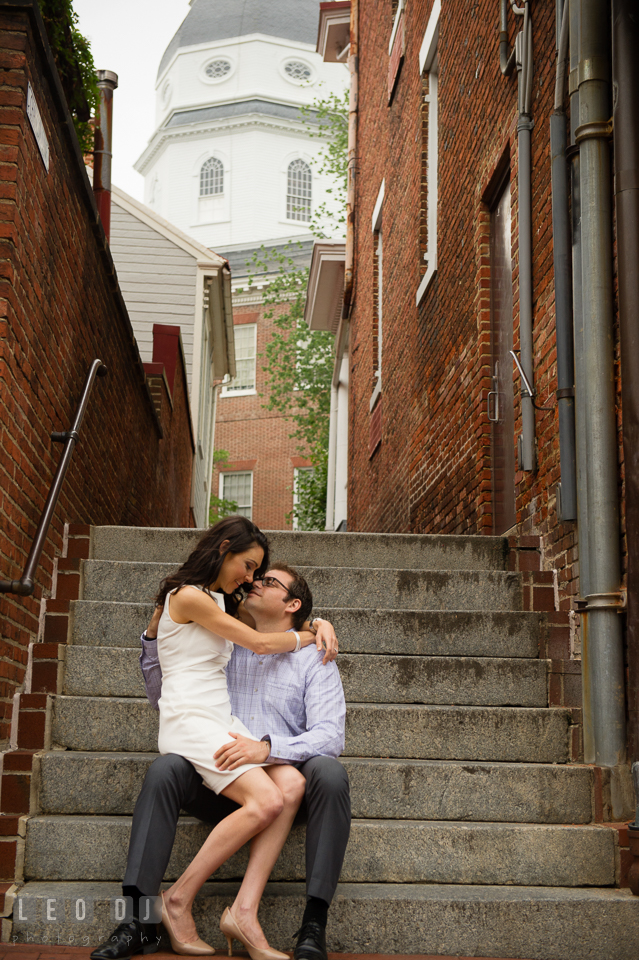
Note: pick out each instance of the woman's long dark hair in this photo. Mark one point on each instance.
(203, 565)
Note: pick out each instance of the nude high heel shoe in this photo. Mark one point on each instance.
(231, 930)
(196, 949)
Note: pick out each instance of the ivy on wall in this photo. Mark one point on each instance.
(73, 58)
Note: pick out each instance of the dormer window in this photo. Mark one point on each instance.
(218, 69)
(299, 182)
(212, 177)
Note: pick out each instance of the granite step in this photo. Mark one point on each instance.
(115, 672)
(545, 923)
(109, 783)
(548, 923)
(379, 851)
(471, 633)
(415, 551)
(125, 581)
(506, 734)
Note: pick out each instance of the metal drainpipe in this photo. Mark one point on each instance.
(625, 71)
(567, 488)
(102, 154)
(580, 378)
(353, 97)
(523, 57)
(605, 649)
(506, 60)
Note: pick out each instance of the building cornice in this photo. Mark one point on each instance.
(165, 136)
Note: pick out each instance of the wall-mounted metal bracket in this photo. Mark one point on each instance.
(602, 601)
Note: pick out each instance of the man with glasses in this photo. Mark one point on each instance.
(294, 704)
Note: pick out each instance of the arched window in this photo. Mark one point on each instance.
(211, 177)
(298, 191)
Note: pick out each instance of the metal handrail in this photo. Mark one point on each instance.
(25, 585)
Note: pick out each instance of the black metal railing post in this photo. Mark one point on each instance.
(25, 585)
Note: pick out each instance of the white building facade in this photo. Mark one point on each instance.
(231, 159)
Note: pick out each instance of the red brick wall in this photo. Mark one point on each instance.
(60, 307)
(432, 470)
(258, 439)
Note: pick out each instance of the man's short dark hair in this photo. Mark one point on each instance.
(298, 590)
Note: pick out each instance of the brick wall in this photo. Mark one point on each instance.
(258, 439)
(60, 307)
(432, 471)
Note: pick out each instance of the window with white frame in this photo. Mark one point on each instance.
(212, 178)
(238, 487)
(299, 186)
(298, 70)
(429, 65)
(245, 360)
(218, 69)
(378, 294)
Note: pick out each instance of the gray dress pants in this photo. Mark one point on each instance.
(172, 784)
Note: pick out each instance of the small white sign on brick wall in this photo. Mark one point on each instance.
(37, 126)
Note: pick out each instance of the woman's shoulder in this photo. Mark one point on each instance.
(217, 598)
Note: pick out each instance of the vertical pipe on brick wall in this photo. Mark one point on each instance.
(353, 98)
(580, 376)
(605, 649)
(625, 72)
(102, 154)
(567, 488)
(330, 470)
(524, 61)
(506, 59)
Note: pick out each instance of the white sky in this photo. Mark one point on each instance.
(129, 37)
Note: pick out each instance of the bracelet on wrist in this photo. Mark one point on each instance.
(298, 641)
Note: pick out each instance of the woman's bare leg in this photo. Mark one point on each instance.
(260, 804)
(265, 849)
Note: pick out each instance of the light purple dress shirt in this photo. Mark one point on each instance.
(293, 698)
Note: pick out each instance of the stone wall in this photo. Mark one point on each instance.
(60, 307)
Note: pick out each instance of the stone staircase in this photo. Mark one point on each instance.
(473, 831)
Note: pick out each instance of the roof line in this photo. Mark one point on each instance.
(197, 250)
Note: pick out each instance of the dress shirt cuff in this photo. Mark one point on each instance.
(281, 751)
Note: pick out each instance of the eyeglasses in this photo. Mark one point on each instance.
(270, 582)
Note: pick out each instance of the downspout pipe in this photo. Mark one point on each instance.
(506, 59)
(602, 604)
(353, 101)
(567, 488)
(524, 61)
(580, 377)
(103, 150)
(625, 73)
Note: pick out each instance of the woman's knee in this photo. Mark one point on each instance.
(293, 787)
(265, 806)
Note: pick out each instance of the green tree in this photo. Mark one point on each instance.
(329, 219)
(299, 369)
(299, 362)
(219, 507)
(72, 54)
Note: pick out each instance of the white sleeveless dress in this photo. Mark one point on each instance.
(195, 710)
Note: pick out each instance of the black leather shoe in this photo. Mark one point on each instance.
(311, 942)
(128, 939)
